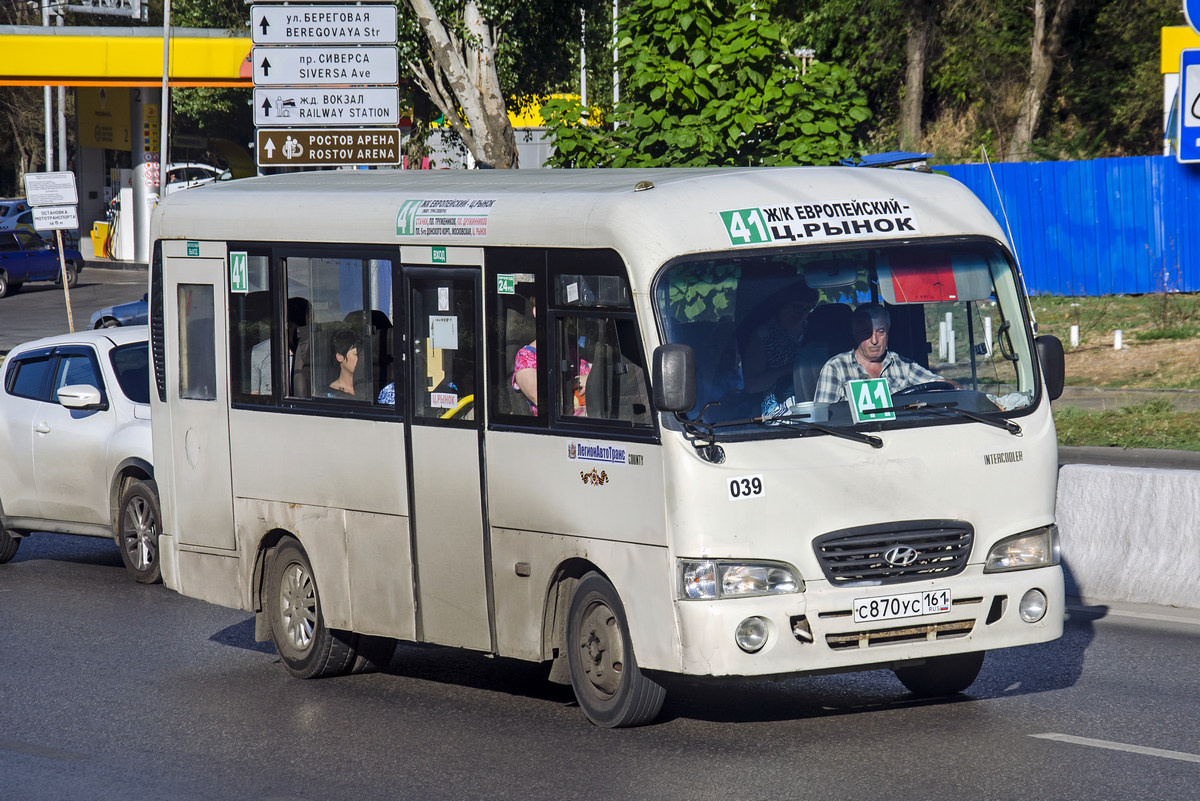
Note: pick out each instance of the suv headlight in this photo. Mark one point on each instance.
(1037, 548)
(710, 578)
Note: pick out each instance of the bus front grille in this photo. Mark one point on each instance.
(896, 552)
(904, 634)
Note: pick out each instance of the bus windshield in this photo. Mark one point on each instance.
(778, 337)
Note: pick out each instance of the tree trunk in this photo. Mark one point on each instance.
(914, 79)
(1044, 49)
(464, 84)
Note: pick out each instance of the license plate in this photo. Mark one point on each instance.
(909, 604)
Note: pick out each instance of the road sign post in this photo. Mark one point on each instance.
(1189, 107)
(53, 196)
(325, 84)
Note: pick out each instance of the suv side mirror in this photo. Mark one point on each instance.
(1050, 354)
(80, 396)
(674, 378)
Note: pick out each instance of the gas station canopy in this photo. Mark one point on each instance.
(77, 56)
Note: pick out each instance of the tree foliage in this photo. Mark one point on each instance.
(712, 83)
(1103, 98)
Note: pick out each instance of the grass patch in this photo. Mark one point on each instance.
(1153, 424)
(1177, 332)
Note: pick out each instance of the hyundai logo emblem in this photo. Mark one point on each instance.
(900, 556)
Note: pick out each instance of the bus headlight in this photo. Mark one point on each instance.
(1037, 548)
(710, 579)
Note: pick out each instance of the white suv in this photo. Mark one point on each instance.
(75, 453)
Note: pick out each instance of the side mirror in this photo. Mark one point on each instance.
(80, 396)
(1050, 354)
(674, 378)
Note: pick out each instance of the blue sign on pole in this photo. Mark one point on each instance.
(1191, 10)
(1189, 106)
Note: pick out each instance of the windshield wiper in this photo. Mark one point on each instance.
(1007, 425)
(798, 419)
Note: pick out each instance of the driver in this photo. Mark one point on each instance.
(870, 359)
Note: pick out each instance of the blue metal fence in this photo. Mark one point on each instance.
(1103, 227)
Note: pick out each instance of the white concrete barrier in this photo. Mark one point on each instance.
(1131, 534)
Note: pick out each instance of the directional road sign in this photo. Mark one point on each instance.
(325, 66)
(301, 106)
(323, 24)
(1189, 106)
(328, 147)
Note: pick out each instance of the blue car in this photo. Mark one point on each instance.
(25, 256)
(135, 312)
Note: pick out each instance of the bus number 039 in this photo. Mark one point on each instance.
(744, 487)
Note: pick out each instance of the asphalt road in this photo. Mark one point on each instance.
(114, 690)
(40, 309)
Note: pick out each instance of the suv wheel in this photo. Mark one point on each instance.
(138, 525)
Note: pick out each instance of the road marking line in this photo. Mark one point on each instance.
(1111, 746)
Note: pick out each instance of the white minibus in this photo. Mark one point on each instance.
(629, 423)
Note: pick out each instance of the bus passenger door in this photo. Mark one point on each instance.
(197, 391)
(451, 551)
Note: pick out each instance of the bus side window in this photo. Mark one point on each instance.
(339, 340)
(197, 359)
(444, 342)
(516, 361)
(601, 371)
(250, 335)
(605, 376)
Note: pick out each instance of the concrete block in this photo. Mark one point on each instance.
(1131, 534)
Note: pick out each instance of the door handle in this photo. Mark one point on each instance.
(42, 428)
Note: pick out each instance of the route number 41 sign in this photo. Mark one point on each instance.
(864, 396)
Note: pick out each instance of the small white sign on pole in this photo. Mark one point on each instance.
(51, 189)
(48, 218)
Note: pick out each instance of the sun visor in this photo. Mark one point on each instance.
(928, 275)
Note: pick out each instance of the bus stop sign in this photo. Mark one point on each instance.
(1189, 104)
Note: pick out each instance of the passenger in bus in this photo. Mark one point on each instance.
(298, 353)
(771, 349)
(344, 344)
(871, 358)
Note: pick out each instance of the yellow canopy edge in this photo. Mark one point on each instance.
(34, 60)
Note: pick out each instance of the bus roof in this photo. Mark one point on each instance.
(648, 215)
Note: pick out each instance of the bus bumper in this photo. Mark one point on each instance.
(815, 631)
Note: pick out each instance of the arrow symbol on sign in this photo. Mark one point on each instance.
(269, 148)
(264, 25)
(266, 66)
(266, 107)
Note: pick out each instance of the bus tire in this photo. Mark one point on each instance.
(941, 675)
(8, 546)
(610, 687)
(307, 647)
(138, 524)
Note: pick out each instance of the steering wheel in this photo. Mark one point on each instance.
(928, 386)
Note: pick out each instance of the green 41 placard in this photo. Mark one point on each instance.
(869, 394)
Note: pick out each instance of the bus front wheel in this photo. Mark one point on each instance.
(8, 546)
(610, 687)
(942, 675)
(308, 648)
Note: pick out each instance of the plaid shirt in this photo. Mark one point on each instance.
(899, 371)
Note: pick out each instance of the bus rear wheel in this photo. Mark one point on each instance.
(942, 675)
(610, 687)
(308, 648)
